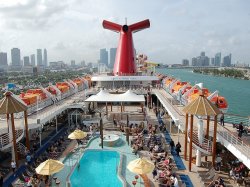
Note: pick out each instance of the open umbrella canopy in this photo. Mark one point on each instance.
(49, 167)
(202, 107)
(10, 105)
(141, 166)
(77, 135)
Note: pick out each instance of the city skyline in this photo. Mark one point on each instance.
(70, 30)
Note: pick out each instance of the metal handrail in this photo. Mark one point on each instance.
(206, 143)
(234, 140)
(21, 148)
(6, 142)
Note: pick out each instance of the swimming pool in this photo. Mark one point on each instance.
(97, 168)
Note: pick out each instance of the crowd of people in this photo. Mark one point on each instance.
(151, 141)
(29, 176)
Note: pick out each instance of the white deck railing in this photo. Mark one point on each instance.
(6, 142)
(234, 140)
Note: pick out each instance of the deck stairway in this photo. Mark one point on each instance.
(21, 148)
(6, 142)
(205, 147)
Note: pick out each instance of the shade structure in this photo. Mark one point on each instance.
(49, 167)
(77, 135)
(202, 107)
(10, 105)
(141, 166)
(105, 96)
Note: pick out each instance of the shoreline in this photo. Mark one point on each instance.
(224, 73)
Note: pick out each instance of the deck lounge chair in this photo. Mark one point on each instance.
(210, 172)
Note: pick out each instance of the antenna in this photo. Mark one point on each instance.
(125, 21)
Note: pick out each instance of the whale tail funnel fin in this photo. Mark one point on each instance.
(111, 26)
(139, 25)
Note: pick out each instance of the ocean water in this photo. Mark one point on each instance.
(236, 91)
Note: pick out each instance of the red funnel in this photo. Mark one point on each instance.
(125, 54)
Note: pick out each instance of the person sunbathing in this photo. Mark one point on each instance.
(156, 148)
(135, 149)
(167, 172)
(163, 164)
(156, 156)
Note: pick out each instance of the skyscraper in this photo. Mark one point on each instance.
(112, 54)
(15, 57)
(227, 60)
(83, 63)
(194, 61)
(39, 57)
(33, 59)
(73, 63)
(185, 62)
(202, 60)
(3, 59)
(212, 61)
(45, 58)
(26, 61)
(217, 59)
(104, 57)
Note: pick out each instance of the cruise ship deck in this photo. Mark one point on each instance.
(226, 135)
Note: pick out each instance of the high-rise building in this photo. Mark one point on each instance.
(83, 63)
(90, 65)
(202, 60)
(212, 60)
(185, 62)
(194, 61)
(26, 61)
(227, 60)
(217, 59)
(33, 59)
(45, 58)
(39, 57)
(3, 62)
(104, 57)
(15, 57)
(73, 63)
(3, 59)
(112, 54)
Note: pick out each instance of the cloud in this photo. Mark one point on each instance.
(33, 14)
(60, 46)
(72, 29)
(234, 40)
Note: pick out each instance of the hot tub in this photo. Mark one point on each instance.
(110, 139)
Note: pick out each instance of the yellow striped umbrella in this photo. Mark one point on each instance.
(77, 135)
(49, 167)
(141, 166)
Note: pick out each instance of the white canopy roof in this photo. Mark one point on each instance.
(124, 78)
(105, 96)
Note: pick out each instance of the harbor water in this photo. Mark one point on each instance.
(236, 91)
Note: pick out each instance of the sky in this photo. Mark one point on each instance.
(72, 29)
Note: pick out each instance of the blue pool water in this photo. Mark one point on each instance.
(97, 168)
